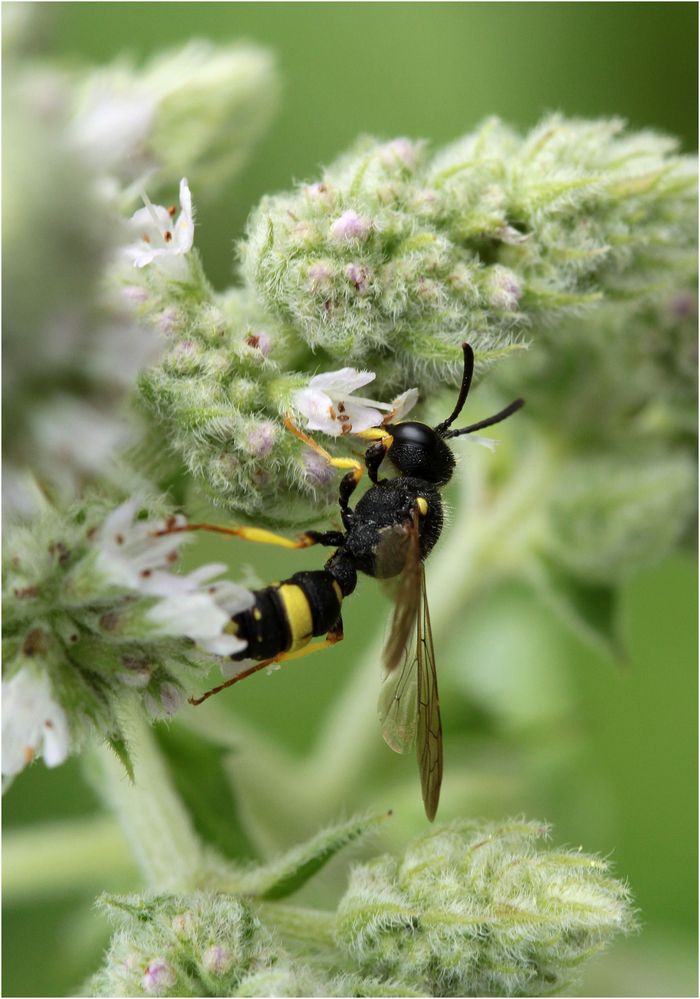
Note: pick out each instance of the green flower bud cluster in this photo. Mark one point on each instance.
(93, 617)
(191, 945)
(476, 909)
(197, 111)
(395, 257)
(60, 382)
(611, 515)
(100, 137)
(216, 401)
(472, 909)
(626, 493)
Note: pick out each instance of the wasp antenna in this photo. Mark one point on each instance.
(489, 421)
(463, 392)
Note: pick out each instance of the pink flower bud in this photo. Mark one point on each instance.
(217, 960)
(320, 276)
(168, 320)
(504, 289)
(260, 341)
(317, 471)
(359, 276)
(350, 226)
(260, 438)
(135, 294)
(159, 977)
(400, 151)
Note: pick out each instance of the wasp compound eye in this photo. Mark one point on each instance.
(420, 451)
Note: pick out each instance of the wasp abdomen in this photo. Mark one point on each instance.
(287, 615)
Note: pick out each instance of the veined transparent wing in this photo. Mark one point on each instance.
(407, 599)
(428, 722)
(409, 707)
(398, 706)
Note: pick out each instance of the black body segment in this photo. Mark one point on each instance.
(286, 615)
(386, 507)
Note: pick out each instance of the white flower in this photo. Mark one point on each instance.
(33, 723)
(327, 405)
(158, 237)
(131, 555)
(198, 616)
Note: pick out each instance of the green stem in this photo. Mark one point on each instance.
(58, 858)
(309, 926)
(156, 824)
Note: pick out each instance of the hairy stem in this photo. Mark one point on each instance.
(309, 926)
(156, 824)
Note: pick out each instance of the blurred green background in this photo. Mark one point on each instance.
(607, 755)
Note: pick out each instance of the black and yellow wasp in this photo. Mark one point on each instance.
(389, 533)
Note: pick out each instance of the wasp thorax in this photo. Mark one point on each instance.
(420, 451)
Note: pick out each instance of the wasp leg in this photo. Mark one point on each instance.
(334, 636)
(257, 534)
(375, 453)
(352, 463)
(348, 483)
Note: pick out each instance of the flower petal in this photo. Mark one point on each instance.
(402, 405)
(340, 383)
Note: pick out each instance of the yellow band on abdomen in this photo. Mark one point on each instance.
(298, 613)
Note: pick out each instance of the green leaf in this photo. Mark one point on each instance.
(118, 745)
(591, 610)
(197, 769)
(288, 873)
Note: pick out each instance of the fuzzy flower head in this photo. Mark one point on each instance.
(94, 614)
(183, 945)
(477, 909)
(160, 235)
(327, 403)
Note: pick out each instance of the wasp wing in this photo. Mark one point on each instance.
(398, 706)
(408, 596)
(428, 721)
(409, 706)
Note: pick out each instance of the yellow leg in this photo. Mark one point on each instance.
(351, 463)
(258, 534)
(377, 434)
(332, 638)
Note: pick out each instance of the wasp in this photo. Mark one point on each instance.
(390, 532)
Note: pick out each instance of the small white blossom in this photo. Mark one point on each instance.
(33, 722)
(328, 405)
(158, 236)
(131, 555)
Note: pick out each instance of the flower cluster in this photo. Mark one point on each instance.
(192, 945)
(100, 137)
(472, 909)
(625, 493)
(220, 392)
(477, 909)
(197, 110)
(395, 256)
(393, 259)
(94, 614)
